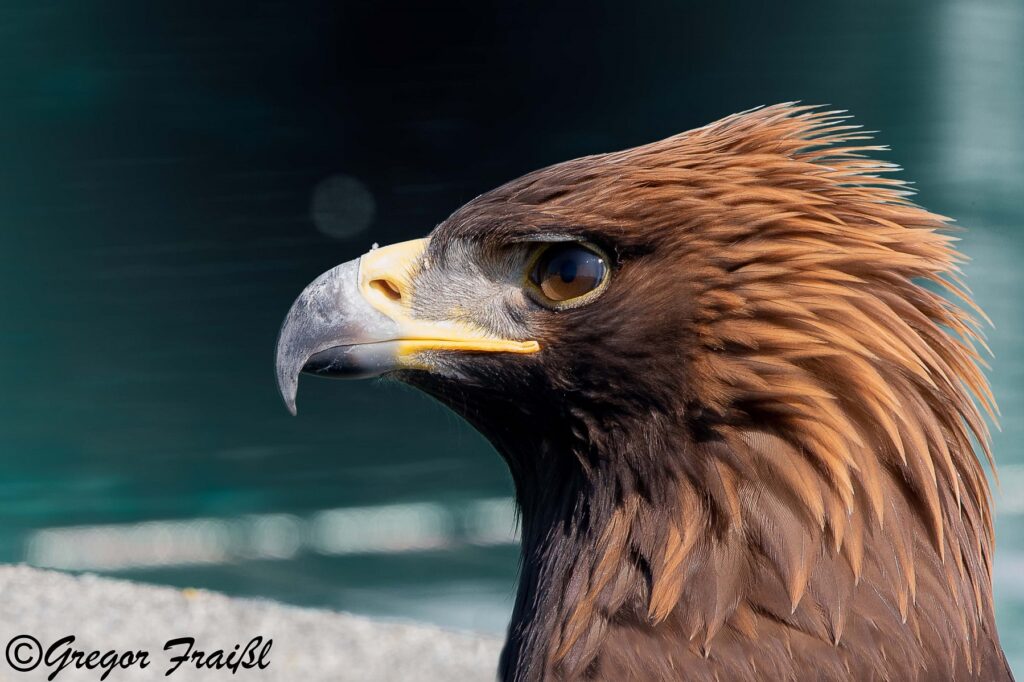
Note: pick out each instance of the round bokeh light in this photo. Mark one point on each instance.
(342, 206)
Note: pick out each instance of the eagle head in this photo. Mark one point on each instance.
(734, 376)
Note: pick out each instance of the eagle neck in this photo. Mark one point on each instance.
(580, 509)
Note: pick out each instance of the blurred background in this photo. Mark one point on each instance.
(173, 173)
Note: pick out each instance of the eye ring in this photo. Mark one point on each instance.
(566, 274)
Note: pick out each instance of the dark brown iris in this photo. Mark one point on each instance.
(568, 271)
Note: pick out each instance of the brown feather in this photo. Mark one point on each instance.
(783, 485)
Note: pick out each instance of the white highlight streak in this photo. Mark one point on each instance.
(387, 529)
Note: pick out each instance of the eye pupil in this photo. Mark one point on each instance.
(567, 271)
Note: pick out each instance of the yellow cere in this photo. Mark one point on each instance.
(385, 281)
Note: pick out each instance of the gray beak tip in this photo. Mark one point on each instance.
(331, 330)
(287, 377)
(288, 388)
(288, 384)
(289, 398)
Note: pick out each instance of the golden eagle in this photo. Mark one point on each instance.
(734, 376)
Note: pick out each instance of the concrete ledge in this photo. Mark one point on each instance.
(308, 645)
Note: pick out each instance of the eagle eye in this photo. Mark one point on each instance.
(566, 274)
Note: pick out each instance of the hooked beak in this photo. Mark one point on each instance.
(355, 321)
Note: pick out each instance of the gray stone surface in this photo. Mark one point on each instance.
(308, 645)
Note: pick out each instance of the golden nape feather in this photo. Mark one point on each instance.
(750, 454)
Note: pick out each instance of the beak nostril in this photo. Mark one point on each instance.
(387, 288)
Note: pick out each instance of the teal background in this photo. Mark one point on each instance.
(158, 213)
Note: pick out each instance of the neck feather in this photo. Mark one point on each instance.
(739, 558)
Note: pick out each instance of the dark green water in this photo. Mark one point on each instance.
(157, 217)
